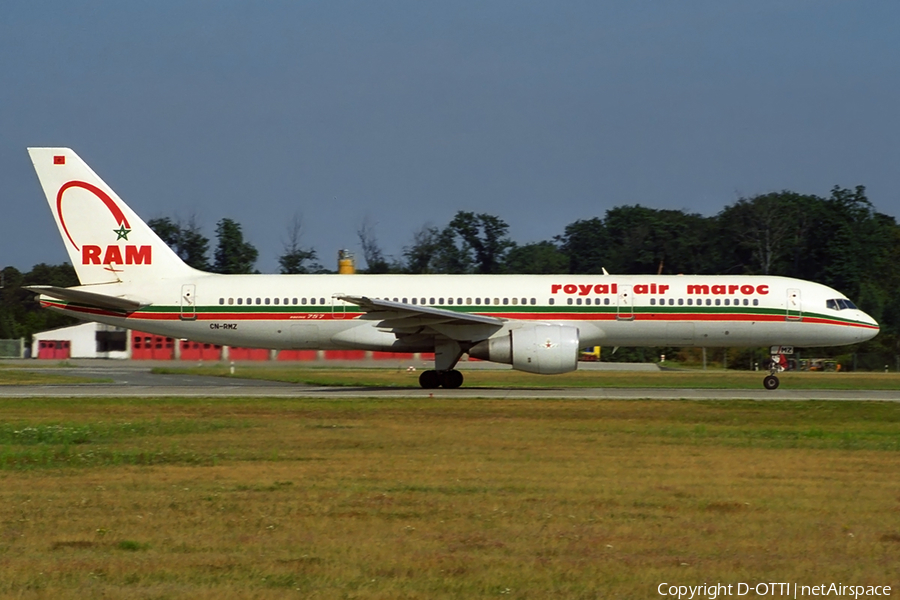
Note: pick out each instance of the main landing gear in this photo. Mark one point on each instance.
(450, 379)
(447, 353)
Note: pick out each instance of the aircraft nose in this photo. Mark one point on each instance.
(869, 329)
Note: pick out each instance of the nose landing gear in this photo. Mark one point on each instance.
(775, 364)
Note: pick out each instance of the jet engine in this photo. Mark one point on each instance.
(544, 349)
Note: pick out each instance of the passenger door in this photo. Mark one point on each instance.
(188, 302)
(625, 304)
(794, 306)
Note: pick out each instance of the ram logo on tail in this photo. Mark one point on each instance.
(106, 241)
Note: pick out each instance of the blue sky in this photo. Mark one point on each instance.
(407, 112)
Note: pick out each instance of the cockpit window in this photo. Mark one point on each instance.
(839, 304)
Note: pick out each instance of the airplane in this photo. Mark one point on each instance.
(537, 323)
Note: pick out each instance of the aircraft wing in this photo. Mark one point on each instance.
(88, 298)
(409, 319)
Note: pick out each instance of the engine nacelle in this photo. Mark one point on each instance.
(544, 349)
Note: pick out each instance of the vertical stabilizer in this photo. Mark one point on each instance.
(106, 241)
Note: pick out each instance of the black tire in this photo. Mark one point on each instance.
(430, 380)
(452, 379)
(771, 382)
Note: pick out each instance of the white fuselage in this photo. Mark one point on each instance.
(302, 311)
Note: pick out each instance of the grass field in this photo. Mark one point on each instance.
(691, 379)
(169, 498)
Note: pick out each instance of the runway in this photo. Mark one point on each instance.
(139, 382)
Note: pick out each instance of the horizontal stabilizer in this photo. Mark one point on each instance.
(83, 297)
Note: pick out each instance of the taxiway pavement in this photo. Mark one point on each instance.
(137, 381)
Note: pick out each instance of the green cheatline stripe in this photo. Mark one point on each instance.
(484, 309)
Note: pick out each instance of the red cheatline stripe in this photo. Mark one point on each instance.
(529, 316)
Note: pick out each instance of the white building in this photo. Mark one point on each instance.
(88, 340)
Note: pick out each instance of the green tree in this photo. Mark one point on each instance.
(420, 255)
(765, 234)
(376, 263)
(296, 259)
(484, 235)
(233, 255)
(538, 258)
(20, 314)
(186, 240)
(452, 254)
(586, 244)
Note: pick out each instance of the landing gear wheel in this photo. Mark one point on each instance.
(451, 379)
(430, 380)
(770, 382)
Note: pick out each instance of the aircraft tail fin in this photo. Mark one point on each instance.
(106, 241)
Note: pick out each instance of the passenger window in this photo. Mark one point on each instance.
(496, 301)
(690, 301)
(459, 300)
(727, 302)
(746, 302)
(578, 301)
(477, 300)
(321, 300)
(276, 300)
(259, 300)
(249, 300)
(652, 301)
(221, 300)
(533, 301)
(240, 300)
(569, 301)
(431, 301)
(551, 301)
(708, 302)
(718, 302)
(515, 301)
(293, 301)
(681, 302)
(449, 300)
(415, 300)
(756, 302)
(505, 301)
(312, 300)
(231, 301)
(468, 301)
(440, 300)
(671, 301)
(404, 301)
(606, 301)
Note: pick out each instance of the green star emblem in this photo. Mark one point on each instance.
(122, 233)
